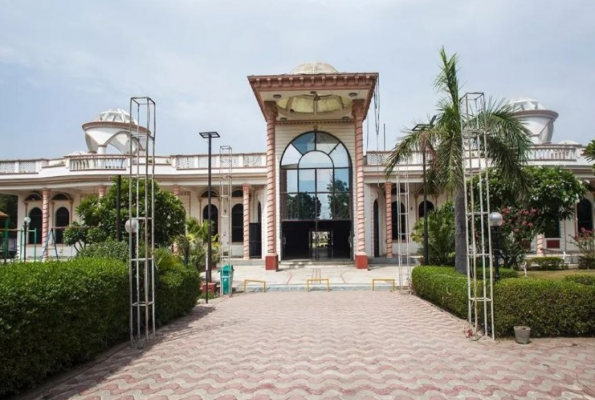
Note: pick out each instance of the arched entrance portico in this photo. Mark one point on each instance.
(316, 198)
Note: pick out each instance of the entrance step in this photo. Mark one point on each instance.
(294, 264)
(316, 288)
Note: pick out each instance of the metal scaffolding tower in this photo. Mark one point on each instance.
(480, 289)
(140, 225)
(403, 225)
(225, 192)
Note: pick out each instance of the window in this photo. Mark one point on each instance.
(399, 220)
(34, 227)
(420, 210)
(237, 193)
(62, 221)
(214, 218)
(584, 215)
(237, 223)
(315, 179)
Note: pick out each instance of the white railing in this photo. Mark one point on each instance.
(542, 152)
(96, 162)
(249, 160)
(22, 166)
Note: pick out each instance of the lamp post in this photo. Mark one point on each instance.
(496, 220)
(210, 136)
(26, 222)
(424, 128)
(131, 227)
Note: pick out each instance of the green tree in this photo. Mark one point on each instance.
(98, 216)
(192, 245)
(507, 144)
(9, 205)
(339, 199)
(441, 235)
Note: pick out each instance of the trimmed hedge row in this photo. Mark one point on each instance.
(56, 314)
(588, 280)
(550, 308)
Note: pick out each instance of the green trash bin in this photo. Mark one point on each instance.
(226, 273)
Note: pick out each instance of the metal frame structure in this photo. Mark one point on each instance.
(225, 191)
(479, 240)
(141, 212)
(402, 197)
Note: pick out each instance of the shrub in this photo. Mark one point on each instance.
(441, 235)
(550, 308)
(548, 263)
(585, 241)
(55, 314)
(588, 280)
(108, 249)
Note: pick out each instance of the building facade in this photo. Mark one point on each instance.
(314, 194)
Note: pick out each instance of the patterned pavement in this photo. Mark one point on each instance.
(337, 345)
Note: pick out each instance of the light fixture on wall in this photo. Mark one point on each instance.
(277, 96)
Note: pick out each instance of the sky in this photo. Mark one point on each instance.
(62, 62)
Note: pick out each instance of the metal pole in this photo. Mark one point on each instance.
(25, 234)
(209, 249)
(426, 250)
(497, 252)
(118, 220)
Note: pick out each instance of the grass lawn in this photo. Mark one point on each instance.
(558, 274)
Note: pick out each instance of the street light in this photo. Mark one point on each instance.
(424, 128)
(131, 227)
(209, 136)
(26, 221)
(496, 220)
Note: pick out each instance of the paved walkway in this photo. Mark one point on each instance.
(340, 277)
(337, 345)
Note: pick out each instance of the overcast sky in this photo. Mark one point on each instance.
(62, 62)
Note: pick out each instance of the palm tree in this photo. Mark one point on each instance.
(507, 143)
(192, 245)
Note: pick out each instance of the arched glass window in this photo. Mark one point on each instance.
(214, 218)
(61, 222)
(315, 179)
(237, 223)
(206, 194)
(584, 215)
(420, 209)
(237, 193)
(60, 196)
(398, 221)
(36, 215)
(33, 197)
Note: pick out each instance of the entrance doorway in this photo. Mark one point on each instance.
(316, 200)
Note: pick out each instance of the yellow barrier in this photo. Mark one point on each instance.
(264, 284)
(383, 280)
(328, 288)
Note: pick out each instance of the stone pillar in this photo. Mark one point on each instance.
(176, 191)
(539, 245)
(361, 259)
(246, 193)
(389, 219)
(271, 259)
(101, 191)
(45, 218)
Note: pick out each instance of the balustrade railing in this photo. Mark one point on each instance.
(96, 162)
(22, 166)
(249, 160)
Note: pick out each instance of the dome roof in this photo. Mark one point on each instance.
(115, 115)
(526, 104)
(313, 68)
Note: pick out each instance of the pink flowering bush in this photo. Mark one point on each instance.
(518, 229)
(585, 241)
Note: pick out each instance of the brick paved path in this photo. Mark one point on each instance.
(342, 345)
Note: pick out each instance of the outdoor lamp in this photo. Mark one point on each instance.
(496, 221)
(131, 225)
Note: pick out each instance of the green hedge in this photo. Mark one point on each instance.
(588, 280)
(55, 314)
(550, 308)
(547, 263)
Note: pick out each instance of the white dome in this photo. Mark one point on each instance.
(115, 115)
(313, 68)
(525, 104)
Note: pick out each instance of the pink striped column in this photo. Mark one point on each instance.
(361, 259)
(389, 219)
(101, 191)
(176, 191)
(45, 218)
(271, 259)
(246, 193)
